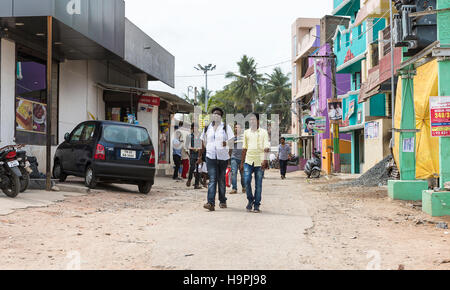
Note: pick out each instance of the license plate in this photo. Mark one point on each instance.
(128, 154)
(13, 164)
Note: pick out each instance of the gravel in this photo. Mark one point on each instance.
(376, 176)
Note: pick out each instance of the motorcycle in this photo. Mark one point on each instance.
(10, 173)
(25, 169)
(313, 167)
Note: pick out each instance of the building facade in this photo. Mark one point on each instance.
(367, 119)
(101, 67)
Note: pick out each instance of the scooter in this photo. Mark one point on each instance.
(313, 166)
(10, 173)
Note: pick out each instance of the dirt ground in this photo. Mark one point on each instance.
(304, 225)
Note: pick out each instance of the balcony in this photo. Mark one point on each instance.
(309, 42)
(306, 86)
(372, 9)
(379, 76)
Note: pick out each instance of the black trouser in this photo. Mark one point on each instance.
(283, 167)
(193, 171)
(177, 161)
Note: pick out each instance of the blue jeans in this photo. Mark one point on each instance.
(235, 167)
(216, 171)
(254, 200)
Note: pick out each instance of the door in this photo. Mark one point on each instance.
(84, 149)
(68, 160)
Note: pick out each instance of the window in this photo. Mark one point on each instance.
(88, 132)
(76, 135)
(338, 41)
(126, 135)
(31, 99)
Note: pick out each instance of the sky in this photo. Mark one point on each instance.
(221, 32)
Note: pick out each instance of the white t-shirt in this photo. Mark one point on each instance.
(213, 141)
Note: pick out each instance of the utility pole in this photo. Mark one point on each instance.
(205, 70)
(392, 72)
(335, 124)
(49, 103)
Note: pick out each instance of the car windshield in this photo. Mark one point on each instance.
(126, 135)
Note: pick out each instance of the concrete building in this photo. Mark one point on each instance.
(102, 64)
(312, 85)
(366, 119)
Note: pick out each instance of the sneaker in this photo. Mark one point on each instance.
(209, 207)
(223, 205)
(198, 187)
(249, 207)
(257, 210)
(234, 191)
(188, 183)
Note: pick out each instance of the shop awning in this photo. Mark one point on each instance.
(180, 105)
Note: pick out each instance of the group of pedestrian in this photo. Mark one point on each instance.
(217, 148)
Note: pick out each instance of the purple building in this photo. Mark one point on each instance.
(312, 84)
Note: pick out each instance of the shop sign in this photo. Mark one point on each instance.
(440, 116)
(149, 100)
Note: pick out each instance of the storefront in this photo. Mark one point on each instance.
(91, 46)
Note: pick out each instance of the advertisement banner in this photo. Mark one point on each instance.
(31, 116)
(440, 116)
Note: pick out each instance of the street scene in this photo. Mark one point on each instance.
(319, 141)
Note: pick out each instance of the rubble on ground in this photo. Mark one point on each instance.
(379, 175)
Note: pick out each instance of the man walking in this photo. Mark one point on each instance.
(254, 161)
(193, 143)
(236, 157)
(284, 152)
(216, 138)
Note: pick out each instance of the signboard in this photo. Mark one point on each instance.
(291, 137)
(31, 116)
(351, 108)
(150, 100)
(335, 112)
(440, 116)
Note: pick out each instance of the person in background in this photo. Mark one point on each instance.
(177, 145)
(255, 156)
(236, 156)
(185, 161)
(193, 143)
(216, 140)
(284, 152)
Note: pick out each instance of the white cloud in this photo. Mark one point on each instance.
(220, 32)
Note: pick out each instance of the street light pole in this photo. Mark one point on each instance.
(205, 70)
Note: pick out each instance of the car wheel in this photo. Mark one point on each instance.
(145, 187)
(58, 172)
(90, 180)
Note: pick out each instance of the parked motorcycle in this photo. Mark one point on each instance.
(10, 173)
(313, 167)
(25, 169)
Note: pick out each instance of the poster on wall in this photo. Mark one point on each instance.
(371, 130)
(408, 145)
(335, 112)
(31, 116)
(440, 116)
(351, 108)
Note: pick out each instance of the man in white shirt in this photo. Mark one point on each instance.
(216, 140)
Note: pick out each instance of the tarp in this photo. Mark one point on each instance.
(427, 147)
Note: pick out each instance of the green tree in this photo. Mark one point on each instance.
(246, 85)
(277, 97)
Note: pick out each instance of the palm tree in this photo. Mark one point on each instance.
(246, 85)
(277, 97)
